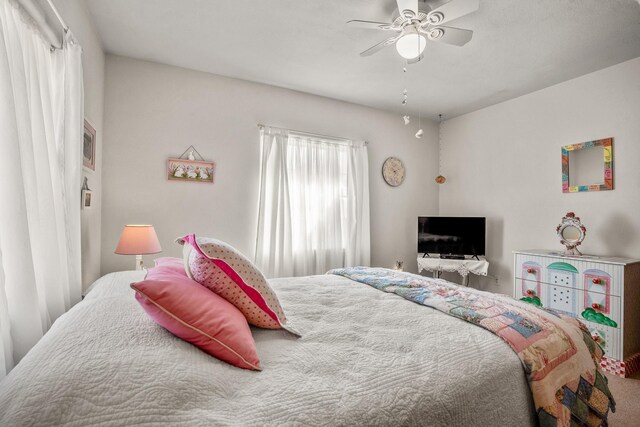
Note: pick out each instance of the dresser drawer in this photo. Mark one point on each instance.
(610, 339)
(585, 274)
(549, 296)
(599, 308)
(596, 307)
(527, 288)
(529, 269)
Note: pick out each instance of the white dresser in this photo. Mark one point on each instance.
(602, 292)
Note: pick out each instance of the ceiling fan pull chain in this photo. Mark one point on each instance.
(420, 131)
(406, 117)
(440, 179)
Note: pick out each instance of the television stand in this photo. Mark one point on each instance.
(463, 267)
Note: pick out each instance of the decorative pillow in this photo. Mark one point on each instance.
(199, 316)
(221, 268)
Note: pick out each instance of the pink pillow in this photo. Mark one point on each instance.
(169, 264)
(221, 268)
(199, 316)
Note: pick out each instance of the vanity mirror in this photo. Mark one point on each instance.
(571, 233)
(587, 166)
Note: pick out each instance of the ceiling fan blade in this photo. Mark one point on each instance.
(408, 8)
(380, 46)
(415, 60)
(449, 35)
(370, 25)
(452, 10)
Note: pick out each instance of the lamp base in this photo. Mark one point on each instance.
(139, 264)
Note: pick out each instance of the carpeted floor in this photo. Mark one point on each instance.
(626, 392)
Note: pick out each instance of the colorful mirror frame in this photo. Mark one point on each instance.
(607, 148)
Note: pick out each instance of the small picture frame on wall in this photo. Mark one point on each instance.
(89, 147)
(190, 170)
(87, 196)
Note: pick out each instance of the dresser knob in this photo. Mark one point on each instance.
(595, 281)
(530, 292)
(530, 270)
(595, 306)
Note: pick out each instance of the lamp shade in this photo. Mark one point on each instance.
(138, 240)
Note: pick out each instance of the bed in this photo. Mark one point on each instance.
(365, 358)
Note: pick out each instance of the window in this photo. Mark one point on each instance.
(314, 204)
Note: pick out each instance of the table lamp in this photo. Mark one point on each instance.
(138, 240)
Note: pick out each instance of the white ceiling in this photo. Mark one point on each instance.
(519, 46)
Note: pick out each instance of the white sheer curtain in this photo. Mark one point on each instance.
(313, 206)
(41, 127)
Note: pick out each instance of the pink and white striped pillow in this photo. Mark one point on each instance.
(227, 272)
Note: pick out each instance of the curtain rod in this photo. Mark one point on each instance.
(65, 27)
(317, 135)
(35, 12)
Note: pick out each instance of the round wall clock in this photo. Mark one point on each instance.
(393, 171)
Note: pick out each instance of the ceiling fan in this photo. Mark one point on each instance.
(414, 27)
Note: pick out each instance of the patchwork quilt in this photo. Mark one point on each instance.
(560, 359)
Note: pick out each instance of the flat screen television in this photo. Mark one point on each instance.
(447, 235)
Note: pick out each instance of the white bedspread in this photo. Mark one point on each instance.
(365, 358)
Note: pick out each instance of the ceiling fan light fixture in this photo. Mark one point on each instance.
(411, 44)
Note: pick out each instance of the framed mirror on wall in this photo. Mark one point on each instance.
(587, 166)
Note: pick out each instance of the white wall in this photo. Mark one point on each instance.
(78, 18)
(503, 162)
(155, 111)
